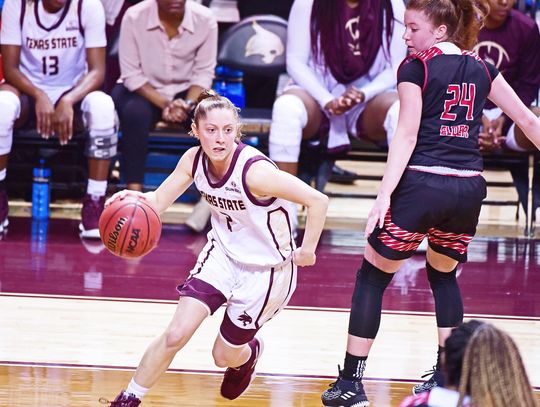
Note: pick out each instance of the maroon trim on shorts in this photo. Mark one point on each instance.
(204, 292)
(272, 232)
(227, 175)
(234, 334)
(252, 198)
(272, 270)
(55, 25)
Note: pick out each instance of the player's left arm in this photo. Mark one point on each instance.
(504, 96)
(265, 181)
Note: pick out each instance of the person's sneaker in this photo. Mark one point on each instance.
(436, 379)
(122, 400)
(345, 393)
(237, 380)
(4, 209)
(91, 211)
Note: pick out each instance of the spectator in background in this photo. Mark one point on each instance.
(167, 57)
(342, 57)
(54, 61)
(510, 40)
(493, 374)
(452, 360)
(483, 368)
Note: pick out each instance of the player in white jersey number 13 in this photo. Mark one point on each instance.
(250, 260)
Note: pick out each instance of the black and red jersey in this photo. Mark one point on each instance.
(455, 85)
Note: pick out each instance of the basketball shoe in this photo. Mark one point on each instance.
(237, 379)
(123, 400)
(436, 379)
(345, 393)
(4, 209)
(92, 206)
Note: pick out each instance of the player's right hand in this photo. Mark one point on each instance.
(302, 258)
(377, 214)
(123, 194)
(44, 115)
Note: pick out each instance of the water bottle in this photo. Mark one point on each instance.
(40, 191)
(38, 248)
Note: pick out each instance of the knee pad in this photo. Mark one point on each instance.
(289, 117)
(100, 119)
(447, 296)
(366, 306)
(511, 141)
(391, 122)
(10, 109)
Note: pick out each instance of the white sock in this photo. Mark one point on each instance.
(136, 390)
(96, 188)
(3, 174)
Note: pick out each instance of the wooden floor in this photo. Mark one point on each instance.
(74, 320)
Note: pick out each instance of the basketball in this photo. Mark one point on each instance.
(129, 227)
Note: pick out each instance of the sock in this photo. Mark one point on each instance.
(136, 390)
(96, 188)
(354, 366)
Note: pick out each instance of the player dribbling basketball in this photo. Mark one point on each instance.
(250, 261)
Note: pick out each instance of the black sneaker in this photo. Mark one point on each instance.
(345, 393)
(122, 400)
(436, 379)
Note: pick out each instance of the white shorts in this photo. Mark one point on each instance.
(253, 295)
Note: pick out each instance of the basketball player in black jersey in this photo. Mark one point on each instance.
(432, 185)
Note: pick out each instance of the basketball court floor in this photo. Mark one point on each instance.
(75, 320)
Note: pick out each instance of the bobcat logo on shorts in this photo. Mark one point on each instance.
(245, 319)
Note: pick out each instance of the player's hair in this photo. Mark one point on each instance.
(209, 100)
(454, 348)
(493, 374)
(463, 18)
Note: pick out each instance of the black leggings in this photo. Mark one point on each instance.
(138, 116)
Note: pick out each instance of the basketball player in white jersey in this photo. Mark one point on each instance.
(250, 261)
(53, 55)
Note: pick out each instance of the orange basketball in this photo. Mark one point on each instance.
(130, 227)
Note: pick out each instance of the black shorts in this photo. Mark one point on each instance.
(445, 208)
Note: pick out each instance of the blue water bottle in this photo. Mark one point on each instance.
(41, 191)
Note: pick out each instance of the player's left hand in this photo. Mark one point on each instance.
(377, 214)
(63, 120)
(302, 258)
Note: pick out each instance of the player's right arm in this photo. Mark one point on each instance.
(176, 183)
(11, 52)
(170, 189)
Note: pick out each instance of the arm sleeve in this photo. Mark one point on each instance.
(529, 68)
(93, 22)
(129, 57)
(205, 58)
(11, 26)
(299, 51)
(412, 71)
(386, 79)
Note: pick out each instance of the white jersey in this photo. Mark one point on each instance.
(249, 230)
(53, 45)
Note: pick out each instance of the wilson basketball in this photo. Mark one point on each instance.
(129, 227)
